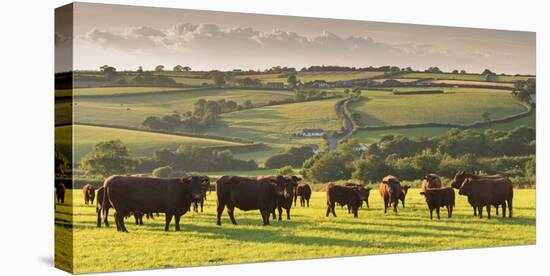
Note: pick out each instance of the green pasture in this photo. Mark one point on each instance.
(110, 91)
(132, 110)
(464, 77)
(274, 124)
(381, 108)
(309, 234)
(312, 76)
(139, 143)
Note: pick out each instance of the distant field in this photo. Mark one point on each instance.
(513, 78)
(372, 136)
(132, 110)
(192, 81)
(108, 91)
(139, 143)
(384, 108)
(312, 76)
(444, 76)
(274, 124)
(481, 83)
(452, 89)
(309, 234)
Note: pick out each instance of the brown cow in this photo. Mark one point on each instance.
(431, 180)
(461, 175)
(390, 191)
(284, 201)
(60, 190)
(89, 194)
(364, 193)
(404, 190)
(439, 197)
(205, 188)
(343, 195)
(130, 194)
(304, 192)
(486, 192)
(247, 194)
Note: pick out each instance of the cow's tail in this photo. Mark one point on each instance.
(104, 201)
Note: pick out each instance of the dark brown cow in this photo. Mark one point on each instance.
(130, 194)
(404, 190)
(390, 191)
(460, 176)
(344, 196)
(205, 188)
(284, 201)
(364, 193)
(486, 192)
(304, 192)
(89, 194)
(431, 180)
(246, 194)
(439, 197)
(60, 190)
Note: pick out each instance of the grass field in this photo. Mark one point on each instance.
(139, 143)
(274, 124)
(312, 76)
(372, 136)
(308, 235)
(110, 91)
(481, 83)
(444, 76)
(132, 110)
(385, 109)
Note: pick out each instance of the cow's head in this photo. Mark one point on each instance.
(465, 187)
(405, 188)
(205, 183)
(394, 186)
(288, 185)
(363, 192)
(460, 176)
(193, 186)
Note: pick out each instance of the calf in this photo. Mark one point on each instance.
(304, 192)
(89, 194)
(105, 206)
(404, 190)
(60, 190)
(364, 193)
(439, 197)
(247, 194)
(390, 191)
(486, 192)
(205, 187)
(344, 196)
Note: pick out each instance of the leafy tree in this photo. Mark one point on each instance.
(139, 70)
(487, 72)
(159, 68)
(218, 77)
(463, 71)
(329, 166)
(186, 68)
(107, 158)
(178, 68)
(286, 170)
(292, 80)
(485, 115)
(62, 166)
(370, 169)
(162, 171)
(108, 71)
(294, 157)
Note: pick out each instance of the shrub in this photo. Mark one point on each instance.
(162, 171)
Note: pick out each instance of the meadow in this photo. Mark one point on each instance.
(313, 76)
(464, 77)
(139, 143)
(381, 108)
(133, 109)
(309, 234)
(115, 91)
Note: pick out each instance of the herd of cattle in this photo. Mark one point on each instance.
(145, 196)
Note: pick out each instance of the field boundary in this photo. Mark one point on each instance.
(182, 134)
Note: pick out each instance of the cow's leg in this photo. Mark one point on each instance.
(308, 202)
(122, 226)
(449, 210)
(136, 218)
(98, 210)
(509, 207)
(480, 211)
(230, 210)
(431, 213)
(167, 221)
(177, 218)
(219, 211)
(496, 208)
(328, 209)
(106, 218)
(195, 207)
(437, 211)
(395, 203)
(116, 221)
(349, 208)
(288, 213)
(403, 202)
(202, 205)
(385, 205)
(355, 211)
(503, 209)
(280, 210)
(367, 202)
(332, 209)
(475, 211)
(488, 211)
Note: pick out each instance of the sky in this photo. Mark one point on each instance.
(129, 36)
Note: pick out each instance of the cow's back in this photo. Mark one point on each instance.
(245, 193)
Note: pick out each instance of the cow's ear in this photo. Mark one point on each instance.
(185, 179)
(461, 172)
(384, 181)
(425, 177)
(422, 193)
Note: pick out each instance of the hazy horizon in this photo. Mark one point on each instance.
(129, 36)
